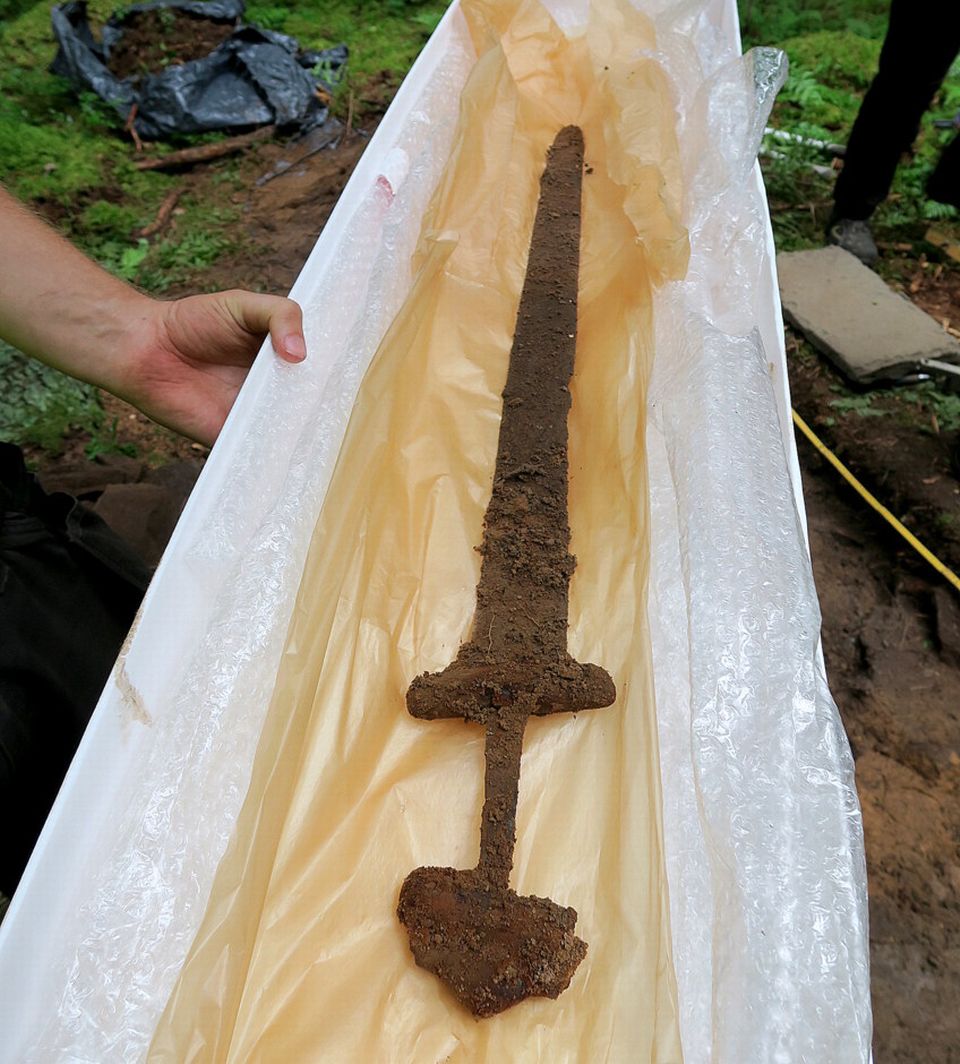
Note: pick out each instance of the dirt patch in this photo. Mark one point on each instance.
(892, 440)
(154, 40)
(378, 91)
(279, 225)
(935, 288)
(491, 947)
(135, 432)
(124, 432)
(888, 643)
(282, 219)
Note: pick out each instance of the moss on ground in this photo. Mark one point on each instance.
(384, 36)
(62, 152)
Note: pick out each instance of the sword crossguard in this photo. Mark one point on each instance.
(472, 690)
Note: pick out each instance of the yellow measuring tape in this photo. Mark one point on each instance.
(924, 553)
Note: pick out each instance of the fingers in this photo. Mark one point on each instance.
(260, 314)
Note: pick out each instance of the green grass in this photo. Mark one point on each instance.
(384, 36)
(41, 405)
(927, 399)
(833, 47)
(773, 21)
(62, 152)
(925, 406)
(861, 405)
(104, 440)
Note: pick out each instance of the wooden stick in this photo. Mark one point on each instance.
(129, 128)
(163, 214)
(205, 153)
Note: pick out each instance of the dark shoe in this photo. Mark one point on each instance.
(854, 235)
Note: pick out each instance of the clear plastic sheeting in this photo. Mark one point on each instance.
(300, 954)
(761, 834)
(762, 822)
(229, 579)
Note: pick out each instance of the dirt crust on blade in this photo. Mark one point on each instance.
(490, 946)
(518, 647)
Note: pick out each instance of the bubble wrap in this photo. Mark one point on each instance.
(131, 936)
(761, 817)
(761, 822)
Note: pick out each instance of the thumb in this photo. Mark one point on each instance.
(281, 318)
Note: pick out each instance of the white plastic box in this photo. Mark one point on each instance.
(77, 945)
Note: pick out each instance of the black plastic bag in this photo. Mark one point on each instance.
(255, 77)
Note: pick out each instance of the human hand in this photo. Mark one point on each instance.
(181, 362)
(186, 358)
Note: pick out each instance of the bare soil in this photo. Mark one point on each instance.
(282, 218)
(935, 287)
(153, 40)
(900, 452)
(891, 638)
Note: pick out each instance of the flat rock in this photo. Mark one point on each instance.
(178, 477)
(850, 314)
(125, 470)
(142, 514)
(85, 477)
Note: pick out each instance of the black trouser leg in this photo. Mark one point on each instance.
(944, 183)
(922, 41)
(69, 589)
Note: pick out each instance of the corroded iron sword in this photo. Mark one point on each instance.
(490, 946)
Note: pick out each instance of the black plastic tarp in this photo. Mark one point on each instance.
(255, 77)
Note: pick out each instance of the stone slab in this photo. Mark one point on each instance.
(850, 314)
(83, 478)
(142, 514)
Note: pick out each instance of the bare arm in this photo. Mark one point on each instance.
(180, 361)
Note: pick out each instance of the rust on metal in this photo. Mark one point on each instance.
(490, 946)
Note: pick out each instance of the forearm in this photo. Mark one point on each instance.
(180, 361)
(61, 307)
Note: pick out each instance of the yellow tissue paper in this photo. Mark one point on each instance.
(300, 956)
